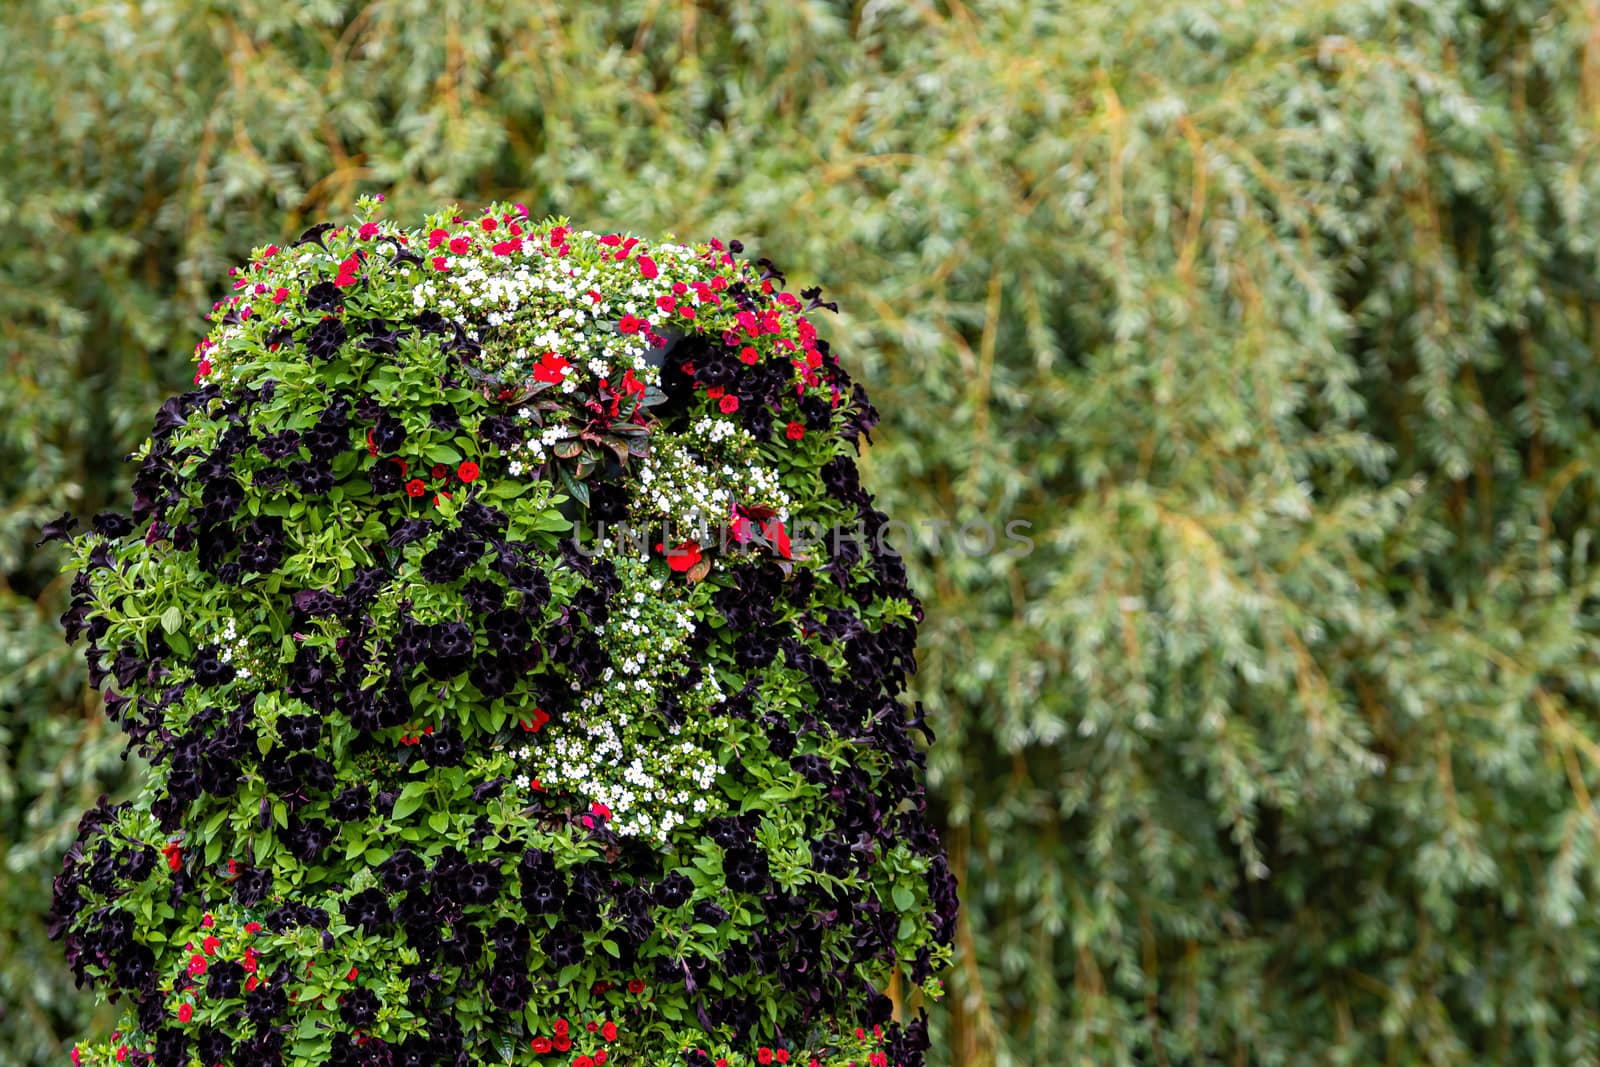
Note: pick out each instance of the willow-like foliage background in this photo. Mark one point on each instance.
(1276, 318)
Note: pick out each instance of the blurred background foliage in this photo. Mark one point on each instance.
(1276, 318)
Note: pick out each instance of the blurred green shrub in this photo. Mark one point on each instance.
(1277, 320)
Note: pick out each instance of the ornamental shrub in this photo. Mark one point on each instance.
(496, 709)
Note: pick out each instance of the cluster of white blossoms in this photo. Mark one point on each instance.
(692, 480)
(235, 650)
(666, 770)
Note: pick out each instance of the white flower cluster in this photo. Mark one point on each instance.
(232, 645)
(666, 771)
(697, 477)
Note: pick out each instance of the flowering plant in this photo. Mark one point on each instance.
(441, 772)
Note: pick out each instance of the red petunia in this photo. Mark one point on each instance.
(368, 231)
(609, 1031)
(505, 248)
(251, 983)
(541, 1045)
(468, 471)
(763, 1055)
(197, 965)
(279, 295)
(630, 324)
(749, 355)
(252, 928)
(647, 267)
(415, 487)
(551, 368)
(488, 223)
(440, 263)
(459, 245)
(775, 534)
(728, 405)
(583, 1061)
(439, 470)
(185, 1012)
(210, 945)
(174, 853)
(436, 238)
(683, 557)
(636, 986)
(794, 431)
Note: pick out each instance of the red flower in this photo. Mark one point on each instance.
(468, 471)
(459, 245)
(666, 303)
(728, 405)
(415, 487)
(439, 470)
(604, 812)
(208, 921)
(563, 1043)
(561, 1027)
(251, 983)
(583, 1061)
(630, 324)
(551, 368)
(609, 1031)
(782, 1055)
(774, 532)
(351, 977)
(174, 853)
(185, 1012)
(600, 1056)
(279, 295)
(197, 965)
(749, 355)
(436, 238)
(647, 267)
(368, 231)
(488, 223)
(540, 717)
(636, 986)
(440, 263)
(210, 945)
(541, 1045)
(794, 431)
(505, 248)
(252, 928)
(683, 557)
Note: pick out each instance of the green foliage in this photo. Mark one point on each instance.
(1276, 320)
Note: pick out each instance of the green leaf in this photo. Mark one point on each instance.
(409, 800)
(171, 619)
(439, 452)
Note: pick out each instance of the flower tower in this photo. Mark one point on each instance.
(520, 672)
